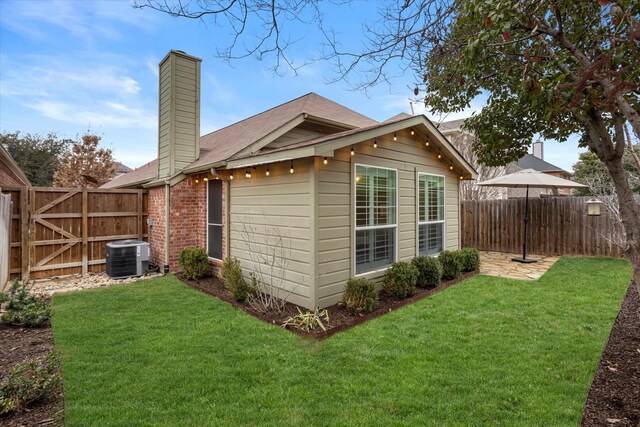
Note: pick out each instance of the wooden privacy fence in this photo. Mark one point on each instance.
(61, 231)
(557, 226)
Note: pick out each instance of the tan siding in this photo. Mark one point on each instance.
(334, 224)
(293, 136)
(263, 207)
(179, 114)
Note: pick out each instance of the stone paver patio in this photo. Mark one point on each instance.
(500, 264)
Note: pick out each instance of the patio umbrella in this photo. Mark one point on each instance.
(524, 179)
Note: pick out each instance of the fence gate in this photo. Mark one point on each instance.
(61, 231)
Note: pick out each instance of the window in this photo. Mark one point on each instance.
(376, 219)
(430, 214)
(214, 218)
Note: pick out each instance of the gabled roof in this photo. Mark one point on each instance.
(451, 126)
(529, 161)
(222, 144)
(326, 145)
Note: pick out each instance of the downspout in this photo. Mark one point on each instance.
(167, 223)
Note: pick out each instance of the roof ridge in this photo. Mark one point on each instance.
(260, 113)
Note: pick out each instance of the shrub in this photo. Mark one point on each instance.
(195, 263)
(360, 295)
(470, 259)
(451, 264)
(429, 271)
(24, 308)
(29, 382)
(234, 280)
(400, 280)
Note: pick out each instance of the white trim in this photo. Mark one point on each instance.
(355, 228)
(444, 213)
(207, 223)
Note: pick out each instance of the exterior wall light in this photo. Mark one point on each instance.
(593, 207)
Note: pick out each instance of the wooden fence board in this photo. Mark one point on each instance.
(557, 226)
(61, 231)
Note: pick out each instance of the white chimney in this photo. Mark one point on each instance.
(538, 150)
(178, 113)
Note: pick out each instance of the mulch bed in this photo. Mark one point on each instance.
(17, 345)
(340, 318)
(614, 397)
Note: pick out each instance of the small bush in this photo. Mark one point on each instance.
(24, 308)
(29, 382)
(451, 264)
(470, 259)
(400, 280)
(429, 271)
(360, 295)
(234, 280)
(195, 263)
(307, 321)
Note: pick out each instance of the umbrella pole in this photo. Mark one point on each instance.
(524, 237)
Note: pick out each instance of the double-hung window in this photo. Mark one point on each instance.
(376, 218)
(430, 214)
(214, 218)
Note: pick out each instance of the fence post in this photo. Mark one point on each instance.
(85, 231)
(25, 253)
(140, 226)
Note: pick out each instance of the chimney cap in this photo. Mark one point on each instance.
(179, 53)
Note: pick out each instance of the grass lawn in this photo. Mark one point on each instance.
(487, 351)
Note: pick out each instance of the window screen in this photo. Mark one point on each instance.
(214, 218)
(430, 214)
(375, 218)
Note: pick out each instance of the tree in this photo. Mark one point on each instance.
(589, 170)
(38, 156)
(550, 69)
(85, 165)
(469, 190)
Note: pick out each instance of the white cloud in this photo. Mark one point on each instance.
(87, 21)
(104, 114)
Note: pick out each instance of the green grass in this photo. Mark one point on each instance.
(487, 351)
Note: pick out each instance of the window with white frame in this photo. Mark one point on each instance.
(430, 214)
(375, 217)
(214, 218)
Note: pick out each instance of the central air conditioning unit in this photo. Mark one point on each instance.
(127, 258)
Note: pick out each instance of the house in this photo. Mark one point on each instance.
(332, 193)
(452, 130)
(119, 169)
(10, 173)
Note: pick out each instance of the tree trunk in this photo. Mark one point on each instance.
(630, 214)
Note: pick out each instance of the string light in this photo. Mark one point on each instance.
(439, 155)
(352, 152)
(197, 180)
(461, 177)
(451, 167)
(291, 170)
(231, 176)
(205, 179)
(267, 172)
(395, 137)
(412, 132)
(426, 143)
(325, 161)
(375, 143)
(247, 173)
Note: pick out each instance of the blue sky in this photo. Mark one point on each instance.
(66, 66)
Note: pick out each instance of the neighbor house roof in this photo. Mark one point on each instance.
(529, 161)
(136, 177)
(222, 144)
(16, 174)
